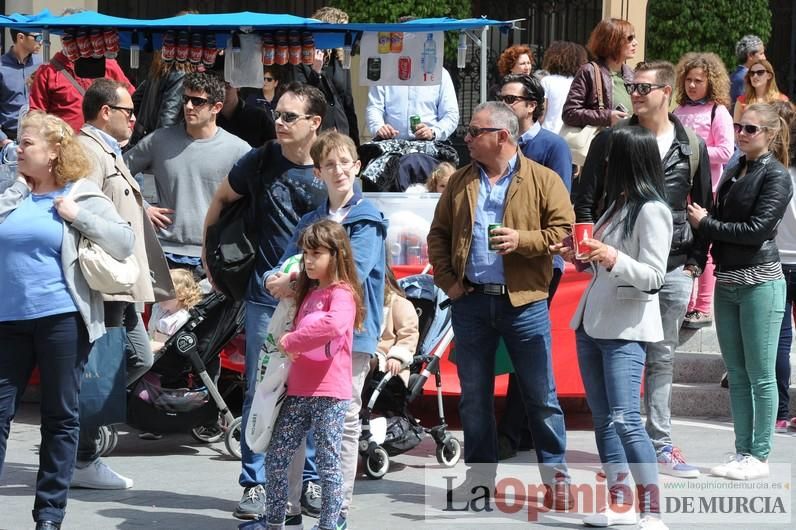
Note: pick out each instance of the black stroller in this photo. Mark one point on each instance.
(398, 431)
(179, 393)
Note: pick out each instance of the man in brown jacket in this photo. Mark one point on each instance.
(498, 279)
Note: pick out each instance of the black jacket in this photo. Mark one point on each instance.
(590, 200)
(254, 125)
(748, 210)
(158, 103)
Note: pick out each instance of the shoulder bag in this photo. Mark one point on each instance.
(579, 138)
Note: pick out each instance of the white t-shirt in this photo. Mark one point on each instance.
(665, 141)
(556, 90)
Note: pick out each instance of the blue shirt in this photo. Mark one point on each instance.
(484, 265)
(107, 138)
(737, 78)
(33, 283)
(13, 89)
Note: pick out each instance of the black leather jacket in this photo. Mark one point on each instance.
(590, 200)
(158, 104)
(748, 210)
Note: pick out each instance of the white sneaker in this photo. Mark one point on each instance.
(748, 468)
(651, 522)
(730, 461)
(98, 476)
(609, 517)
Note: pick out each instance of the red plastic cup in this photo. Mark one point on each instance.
(581, 231)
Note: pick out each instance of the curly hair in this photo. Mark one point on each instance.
(443, 169)
(188, 293)
(71, 163)
(510, 56)
(564, 58)
(717, 79)
(608, 38)
(772, 90)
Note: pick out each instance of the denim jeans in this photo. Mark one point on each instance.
(673, 299)
(785, 341)
(611, 372)
(748, 318)
(59, 345)
(258, 317)
(479, 320)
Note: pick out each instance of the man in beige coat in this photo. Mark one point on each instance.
(108, 112)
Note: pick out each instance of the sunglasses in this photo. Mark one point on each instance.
(750, 130)
(474, 131)
(128, 111)
(38, 37)
(642, 88)
(753, 73)
(268, 79)
(511, 100)
(196, 101)
(289, 117)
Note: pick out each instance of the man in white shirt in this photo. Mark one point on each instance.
(389, 109)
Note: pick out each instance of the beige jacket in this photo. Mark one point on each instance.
(110, 173)
(399, 335)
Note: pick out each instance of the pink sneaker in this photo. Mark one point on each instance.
(781, 426)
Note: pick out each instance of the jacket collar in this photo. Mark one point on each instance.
(118, 161)
(680, 136)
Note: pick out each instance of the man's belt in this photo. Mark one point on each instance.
(492, 289)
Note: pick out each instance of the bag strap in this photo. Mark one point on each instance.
(598, 82)
(713, 113)
(61, 68)
(693, 157)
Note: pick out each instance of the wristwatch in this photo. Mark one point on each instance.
(695, 270)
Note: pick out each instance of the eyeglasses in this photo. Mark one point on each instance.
(128, 111)
(331, 167)
(35, 36)
(751, 130)
(753, 73)
(631, 38)
(474, 131)
(289, 117)
(196, 101)
(268, 79)
(642, 88)
(509, 99)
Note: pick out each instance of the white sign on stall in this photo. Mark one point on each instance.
(401, 58)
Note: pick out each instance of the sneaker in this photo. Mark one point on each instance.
(671, 462)
(781, 426)
(697, 319)
(252, 503)
(342, 524)
(748, 468)
(651, 522)
(730, 461)
(610, 517)
(311, 499)
(98, 476)
(294, 522)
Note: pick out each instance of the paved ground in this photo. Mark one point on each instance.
(180, 484)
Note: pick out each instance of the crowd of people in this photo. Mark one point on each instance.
(687, 186)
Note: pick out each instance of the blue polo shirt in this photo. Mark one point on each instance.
(13, 90)
(483, 265)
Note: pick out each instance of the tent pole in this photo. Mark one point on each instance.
(484, 33)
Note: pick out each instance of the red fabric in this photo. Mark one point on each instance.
(53, 93)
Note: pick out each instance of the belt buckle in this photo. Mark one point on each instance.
(493, 289)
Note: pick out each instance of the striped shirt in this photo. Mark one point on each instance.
(752, 275)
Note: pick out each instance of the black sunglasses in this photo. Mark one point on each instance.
(509, 99)
(474, 131)
(751, 130)
(38, 37)
(268, 79)
(753, 73)
(642, 88)
(289, 117)
(196, 101)
(128, 111)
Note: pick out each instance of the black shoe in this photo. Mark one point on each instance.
(311, 499)
(47, 525)
(725, 383)
(252, 504)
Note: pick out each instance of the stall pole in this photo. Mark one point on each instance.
(484, 41)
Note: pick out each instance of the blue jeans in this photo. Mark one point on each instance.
(611, 372)
(59, 345)
(479, 320)
(258, 317)
(785, 341)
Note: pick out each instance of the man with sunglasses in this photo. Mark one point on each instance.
(15, 67)
(279, 175)
(498, 281)
(686, 169)
(188, 161)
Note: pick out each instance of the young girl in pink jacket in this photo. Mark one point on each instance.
(330, 307)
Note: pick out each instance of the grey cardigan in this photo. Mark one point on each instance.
(97, 219)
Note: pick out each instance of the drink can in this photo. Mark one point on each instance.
(210, 51)
(294, 48)
(269, 50)
(281, 53)
(183, 46)
(169, 47)
(70, 47)
(374, 68)
(83, 44)
(384, 42)
(414, 122)
(97, 43)
(111, 37)
(396, 42)
(404, 67)
(489, 229)
(307, 48)
(196, 50)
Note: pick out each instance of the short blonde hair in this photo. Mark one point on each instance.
(332, 141)
(185, 287)
(443, 169)
(72, 163)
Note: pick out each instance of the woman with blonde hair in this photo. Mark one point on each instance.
(50, 316)
(702, 93)
(761, 87)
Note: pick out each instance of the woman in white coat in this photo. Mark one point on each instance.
(618, 315)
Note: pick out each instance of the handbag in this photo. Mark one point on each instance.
(103, 272)
(103, 396)
(579, 138)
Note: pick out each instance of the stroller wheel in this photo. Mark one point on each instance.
(208, 434)
(108, 440)
(233, 438)
(377, 463)
(449, 453)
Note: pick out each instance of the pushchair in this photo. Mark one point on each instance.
(397, 431)
(179, 393)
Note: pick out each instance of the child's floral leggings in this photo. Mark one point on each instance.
(299, 414)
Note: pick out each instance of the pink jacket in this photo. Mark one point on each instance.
(333, 331)
(719, 136)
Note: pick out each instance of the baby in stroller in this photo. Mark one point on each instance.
(169, 316)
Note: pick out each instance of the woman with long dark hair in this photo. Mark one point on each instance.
(628, 253)
(562, 60)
